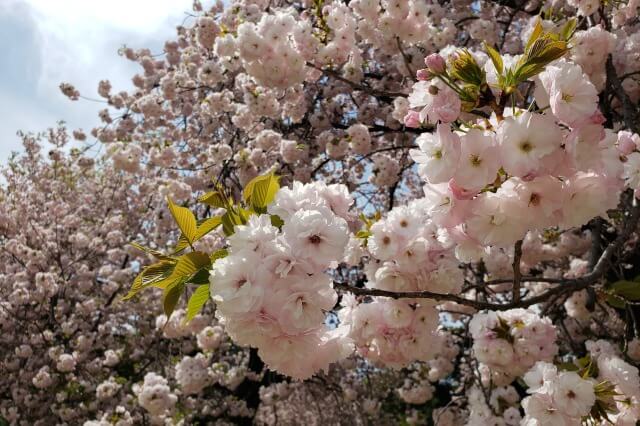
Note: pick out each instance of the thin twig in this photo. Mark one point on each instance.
(370, 90)
(517, 275)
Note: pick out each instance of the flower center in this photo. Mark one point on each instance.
(526, 146)
(566, 97)
(315, 239)
(534, 199)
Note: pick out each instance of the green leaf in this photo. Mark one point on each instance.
(207, 226)
(152, 252)
(465, 68)
(495, 57)
(568, 29)
(135, 287)
(201, 277)
(181, 244)
(156, 275)
(197, 301)
(261, 190)
(218, 254)
(616, 302)
(232, 218)
(190, 263)
(567, 366)
(542, 48)
(185, 219)
(170, 298)
(629, 290)
(204, 227)
(363, 233)
(277, 221)
(158, 272)
(213, 199)
(535, 34)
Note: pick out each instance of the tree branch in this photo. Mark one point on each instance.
(567, 286)
(370, 90)
(517, 275)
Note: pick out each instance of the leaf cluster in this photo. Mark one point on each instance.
(174, 272)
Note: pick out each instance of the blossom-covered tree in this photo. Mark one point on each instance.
(406, 210)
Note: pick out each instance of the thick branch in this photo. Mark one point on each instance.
(629, 110)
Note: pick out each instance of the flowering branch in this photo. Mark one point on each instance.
(568, 286)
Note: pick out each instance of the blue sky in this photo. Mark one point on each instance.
(46, 42)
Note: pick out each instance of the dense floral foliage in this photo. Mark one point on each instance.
(407, 211)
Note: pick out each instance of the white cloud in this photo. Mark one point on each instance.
(45, 42)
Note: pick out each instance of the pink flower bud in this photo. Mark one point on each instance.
(626, 145)
(461, 193)
(597, 118)
(424, 74)
(435, 63)
(412, 119)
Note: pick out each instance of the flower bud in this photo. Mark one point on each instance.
(626, 143)
(412, 119)
(424, 74)
(435, 63)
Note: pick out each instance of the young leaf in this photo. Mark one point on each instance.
(181, 244)
(213, 199)
(218, 254)
(495, 57)
(535, 34)
(135, 287)
(277, 221)
(190, 263)
(207, 226)
(170, 298)
(261, 190)
(465, 68)
(157, 275)
(199, 278)
(185, 219)
(204, 227)
(629, 290)
(197, 301)
(568, 29)
(616, 302)
(229, 220)
(152, 252)
(363, 233)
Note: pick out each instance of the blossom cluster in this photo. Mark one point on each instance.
(498, 179)
(272, 291)
(392, 333)
(500, 408)
(510, 342)
(566, 397)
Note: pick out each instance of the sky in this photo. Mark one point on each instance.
(46, 42)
